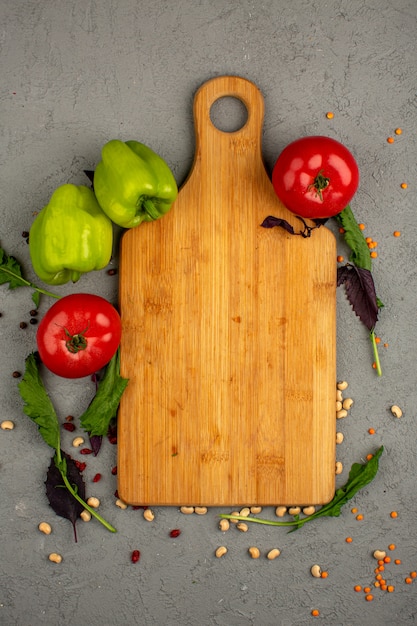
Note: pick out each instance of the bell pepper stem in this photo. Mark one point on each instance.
(150, 208)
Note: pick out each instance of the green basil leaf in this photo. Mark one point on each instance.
(37, 404)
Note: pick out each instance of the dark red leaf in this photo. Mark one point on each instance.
(95, 443)
(60, 499)
(360, 290)
(271, 222)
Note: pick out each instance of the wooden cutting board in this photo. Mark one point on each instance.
(228, 336)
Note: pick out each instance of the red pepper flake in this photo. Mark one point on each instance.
(116, 494)
(175, 532)
(86, 451)
(69, 427)
(80, 466)
(69, 418)
(114, 470)
(96, 478)
(135, 556)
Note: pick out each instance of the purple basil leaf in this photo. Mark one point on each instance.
(271, 221)
(360, 290)
(95, 443)
(60, 499)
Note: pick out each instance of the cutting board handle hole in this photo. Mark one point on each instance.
(228, 114)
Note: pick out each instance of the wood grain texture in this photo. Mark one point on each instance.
(229, 336)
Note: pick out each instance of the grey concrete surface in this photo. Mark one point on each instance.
(76, 74)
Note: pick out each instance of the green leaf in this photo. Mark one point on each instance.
(103, 408)
(10, 271)
(37, 404)
(360, 475)
(360, 256)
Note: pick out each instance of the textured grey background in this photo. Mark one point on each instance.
(76, 74)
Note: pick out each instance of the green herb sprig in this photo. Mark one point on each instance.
(361, 290)
(360, 475)
(38, 406)
(11, 272)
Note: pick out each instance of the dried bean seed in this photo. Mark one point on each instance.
(77, 442)
(121, 504)
(45, 528)
(339, 438)
(221, 551)
(244, 512)
(200, 510)
(273, 554)
(341, 414)
(148, 514)
(315, 571)
(55, 558)
(7, 425)
(242, 526)
(396, 411)
(93, 502)
(342, 385)
(294, 510)
(187, 510)
(85, 515)
(338, 467)
(280, 511)
(254, 552)
(256, 509)
(309, 510)
(347, 403)
(224, 525)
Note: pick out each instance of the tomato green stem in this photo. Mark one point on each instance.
(319, 183)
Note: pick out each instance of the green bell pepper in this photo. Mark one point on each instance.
(70, 236)
(133, 184)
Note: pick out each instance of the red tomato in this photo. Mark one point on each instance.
(78, 335)
(315, 177)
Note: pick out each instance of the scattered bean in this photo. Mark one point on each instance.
(255, 509)
(200, 510)
(341, 414)
(77, 442)
(45, 528)
(224, 525)
(135, 556)
(273, 554)
(187, 510)
(85, 515)
(244, 512)
(121, 504)
(379, 554)
(7, 425)
(93, 502)
(339, 438)
(347, 403)
(342, 385)
(294, 510)
(55, 558)
(338, 467)
(280, 511)
(234, 513)
(309, 510)
(148, 514)
(396, 411)
(315, 571)
(221, 551)
(339, 406)
(242, 526)
(254, 552)
(339, 396)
